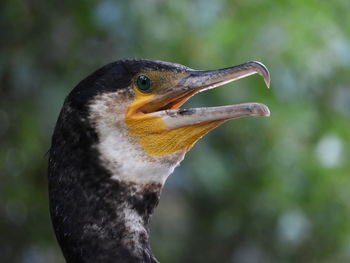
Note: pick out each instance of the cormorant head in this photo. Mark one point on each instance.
(134, 108)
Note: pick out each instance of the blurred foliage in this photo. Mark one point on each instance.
(252, 191)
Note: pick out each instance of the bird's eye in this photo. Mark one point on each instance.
(143, 83)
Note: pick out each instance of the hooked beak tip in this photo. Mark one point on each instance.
(264, 72)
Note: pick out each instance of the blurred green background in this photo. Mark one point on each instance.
(255, 190)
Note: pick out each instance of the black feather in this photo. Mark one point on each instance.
(85, 204)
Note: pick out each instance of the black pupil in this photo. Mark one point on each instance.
(143, 83)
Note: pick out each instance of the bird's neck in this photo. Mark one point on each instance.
(96, 218)
(107, 222)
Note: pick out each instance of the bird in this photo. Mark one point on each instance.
(119, 135)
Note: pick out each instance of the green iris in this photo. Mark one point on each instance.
(143, 83)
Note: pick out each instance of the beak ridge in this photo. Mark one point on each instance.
(208, 79)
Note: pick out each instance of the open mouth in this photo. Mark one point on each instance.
(167, 105)
(161, 127)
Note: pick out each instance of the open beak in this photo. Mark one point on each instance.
(166, 104)
(161, 127)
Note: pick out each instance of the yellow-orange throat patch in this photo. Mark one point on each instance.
(157, 139)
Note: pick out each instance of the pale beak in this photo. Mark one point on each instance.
(168, 102)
